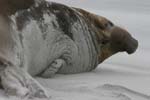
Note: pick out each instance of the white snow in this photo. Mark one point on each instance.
(122, 77)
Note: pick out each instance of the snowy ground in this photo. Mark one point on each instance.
(122, 77)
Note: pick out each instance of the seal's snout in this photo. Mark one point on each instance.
(132, 46)
(123, 41)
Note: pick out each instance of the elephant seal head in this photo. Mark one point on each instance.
(111, 38)
(119, 40)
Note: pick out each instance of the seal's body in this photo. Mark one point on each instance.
(53, 31)
(44, 38)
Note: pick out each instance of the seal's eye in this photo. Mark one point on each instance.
(109, 25)
(103, 23)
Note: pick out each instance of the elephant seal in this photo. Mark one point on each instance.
(40, 38)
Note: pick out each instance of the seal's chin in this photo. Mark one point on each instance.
(132, 46)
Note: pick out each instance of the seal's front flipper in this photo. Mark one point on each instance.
(17, 82)
(53, 68)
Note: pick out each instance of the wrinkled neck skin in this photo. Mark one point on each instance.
(102, 32)
(106, 52)
(106, 49)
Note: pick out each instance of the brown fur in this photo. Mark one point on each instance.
(101, 23)
(97, 20)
